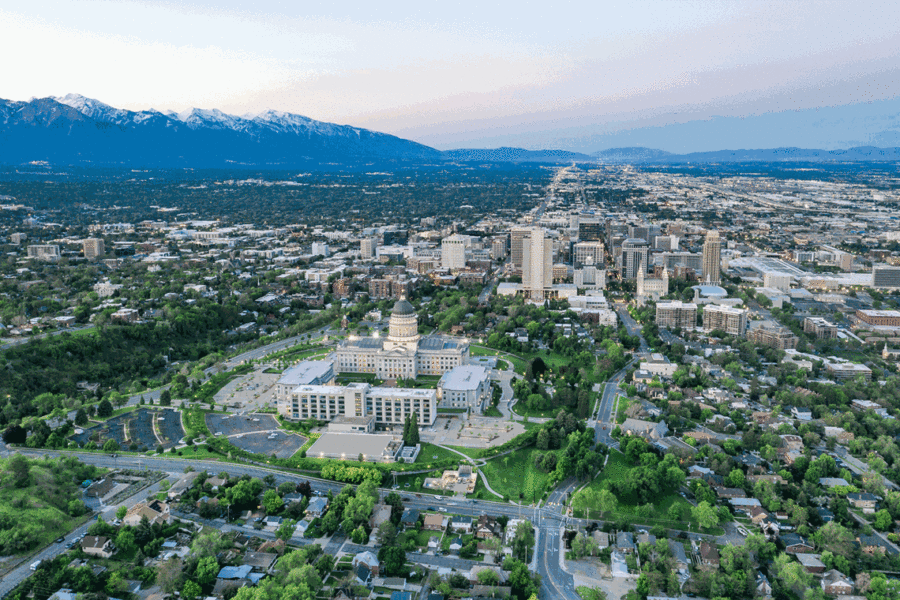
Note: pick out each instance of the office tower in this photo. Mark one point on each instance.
(537, 264)
(367, 248)
(634, 257)
(453, 252)
(498, 248)
(517, 235)
(644, 232)
(320, 249)
(667, 243)
(588, 253)
(591, 231)
(712, 258)
(93, 248)
(44, 251)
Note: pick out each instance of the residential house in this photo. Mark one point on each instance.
(835, 583)
(461, 524)
(155, 511)
(434, 522)
(601, 538)
(487, 528)
(260, 561)
(182, 485)
(380, 514)
(97, 546)
(763, 587)
(456, 545)
(874, 544)
(863, 500)
(676, 549)
(831, 482)
(825, 514)
(811, 562)
(409, 517)
(794, 544)
(625, 542)
(369, 560)
(316, 507)
(301, 528)
(709, 555)
(646, 429)
(434, 542)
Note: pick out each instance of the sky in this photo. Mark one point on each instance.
(578, 76)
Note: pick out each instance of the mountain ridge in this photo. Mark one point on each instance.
(77, 130)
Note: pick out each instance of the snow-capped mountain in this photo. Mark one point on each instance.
(95, 109)
(73, 129)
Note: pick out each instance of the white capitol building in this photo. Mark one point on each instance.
(404, 353)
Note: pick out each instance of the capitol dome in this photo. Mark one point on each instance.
(403, 308)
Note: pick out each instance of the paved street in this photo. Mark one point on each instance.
(19, 574)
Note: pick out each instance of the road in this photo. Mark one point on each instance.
(633, 328)
(23, 571)
(605, 418)
(25, 340)
(549, 519)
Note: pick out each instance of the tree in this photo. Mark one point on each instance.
(705, 514)
(286, 529)
(125, 540)
(272, 502)
(523, 541)
(169, 574)
(81, 418)
(121, 512)
(105, 409)
(110, 446)
(883, 520)
(206, 571)
(165, 398)
(582, 545)
(488, 578)
(191, 590)
(393, 558)
(522, 585)
(19, 468)
(607, 501)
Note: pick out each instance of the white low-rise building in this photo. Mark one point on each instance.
(466, 386)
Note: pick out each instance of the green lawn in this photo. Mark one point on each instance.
(514, 473)
(616, 469)
(517, 363)
(520, 409)
(431, 453)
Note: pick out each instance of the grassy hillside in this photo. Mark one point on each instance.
(39, 500)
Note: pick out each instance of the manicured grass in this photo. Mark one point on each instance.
(453, 411)
(517, 363)
(520, 409)
(194, 421)
(430, 451)
(492, 411)
(514, 473)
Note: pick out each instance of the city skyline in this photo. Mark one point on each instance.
(681, 77)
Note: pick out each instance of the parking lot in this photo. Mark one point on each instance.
(168, 423)
(257, 433)
(248, 392)
(279, 443)
(230, 425)
(113, 429)
(140, 430)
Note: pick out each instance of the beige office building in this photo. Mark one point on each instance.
(93, 248)
(712, 258)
